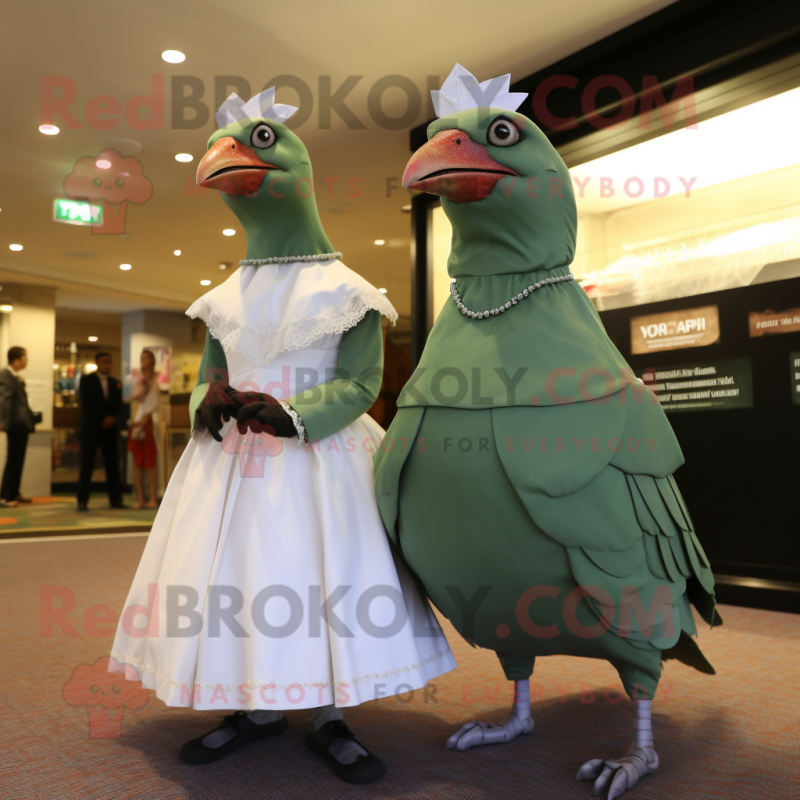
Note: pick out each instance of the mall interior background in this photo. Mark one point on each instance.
(700, 202)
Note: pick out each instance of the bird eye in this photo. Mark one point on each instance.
(97, 182)
(119, 183)
(262, 136)
(503, 133)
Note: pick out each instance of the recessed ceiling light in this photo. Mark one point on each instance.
(173, 56)
(15, 247)
(126, 267)
(223, 266)
(383, 291)
(205, 283)
(184, 157)
(102, 163)
(92, 338)
(6, 308)
(406, 207)
(380, 241)
(176, 252)
(228, 232)
(49, 130)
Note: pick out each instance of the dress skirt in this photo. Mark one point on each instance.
(268, 582)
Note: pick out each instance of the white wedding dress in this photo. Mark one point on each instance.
(254, 535)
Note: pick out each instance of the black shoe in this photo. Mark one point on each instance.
(195, 752)
(83, 506)
(365, 769)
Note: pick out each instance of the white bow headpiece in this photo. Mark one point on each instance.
(462, 91)
(261, 106)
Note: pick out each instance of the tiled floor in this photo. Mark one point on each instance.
(61, 513)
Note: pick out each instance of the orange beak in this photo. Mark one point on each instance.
(452, 165)
(232, 167)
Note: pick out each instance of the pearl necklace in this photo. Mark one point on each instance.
(257, 262)
(512, 302)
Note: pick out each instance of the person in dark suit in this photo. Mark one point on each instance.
(101, 398)
(18, 421)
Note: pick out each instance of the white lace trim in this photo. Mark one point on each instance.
(297, 421)
(123, 660)
(263, 345)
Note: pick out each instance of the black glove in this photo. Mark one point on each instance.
(216, 409)
(242, 399)
(266, 416)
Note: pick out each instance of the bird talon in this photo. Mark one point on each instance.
(618, 775)
(476, 734)
(591, 769)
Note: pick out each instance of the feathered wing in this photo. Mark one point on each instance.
(626, 528)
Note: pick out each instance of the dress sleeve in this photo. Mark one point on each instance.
(331, 406)
(213, 367)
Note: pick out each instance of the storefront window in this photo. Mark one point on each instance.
(705, 208)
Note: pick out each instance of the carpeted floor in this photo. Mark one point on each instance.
(731, 736)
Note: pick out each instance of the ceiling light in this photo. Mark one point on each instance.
(6, 308)
(173, 56)
(228, 232)
(223, 266)
(92, 338)
(176, 252)
(406, 207)
(126, 267)
(205, 283)
(49, 130)
(184, 157)
(383, 291)
(380, 241)
(15, 247)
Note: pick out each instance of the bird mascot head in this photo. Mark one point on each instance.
(263, 171)
(504, 188)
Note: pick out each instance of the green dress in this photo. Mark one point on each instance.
(527, 478)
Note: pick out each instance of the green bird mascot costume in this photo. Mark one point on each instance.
(527, 478)
(267, 579)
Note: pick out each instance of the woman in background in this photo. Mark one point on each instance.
(141, 440)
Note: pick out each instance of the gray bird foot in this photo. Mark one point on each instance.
(622, 774)
(475, 734)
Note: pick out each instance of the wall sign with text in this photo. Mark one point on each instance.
(794, 365)
(766, 322)
(703, 386)
(675, 330)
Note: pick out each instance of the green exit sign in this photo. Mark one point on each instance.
(77, 212)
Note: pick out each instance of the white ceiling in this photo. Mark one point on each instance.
(113, 48)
